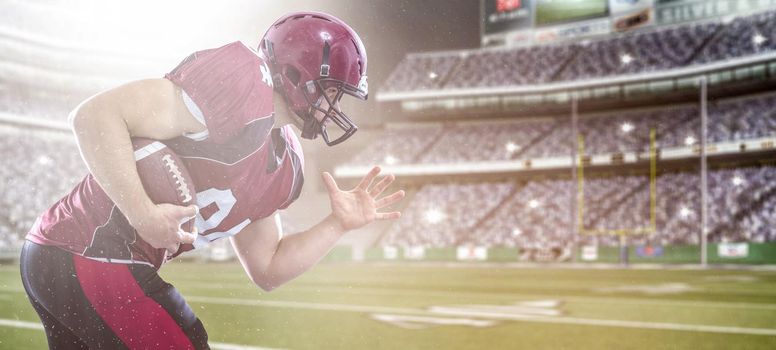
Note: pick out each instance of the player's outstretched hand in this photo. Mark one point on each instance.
(359, 206)
(160, 225)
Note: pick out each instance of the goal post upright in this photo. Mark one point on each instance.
(704, 172)
(622, 232)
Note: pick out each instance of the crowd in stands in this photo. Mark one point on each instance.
(446, 212)
(36, 169)
(611, 132)
(40, 167)
(647, 50)
(540, 213)
(400, 145)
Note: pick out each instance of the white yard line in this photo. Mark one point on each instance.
(303, 305)
(481, 314)
(604, 299)
(467, 313)
(213, 345)
(505, 297)
(21, 324)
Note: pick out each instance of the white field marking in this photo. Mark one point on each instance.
(732, 278)
(21, 324)
(11, 290)
(303, 305)
(513, 296)
(578, 266)
(474, 313)
(227, 346)
(540, 303)
(573, 299)
(607, 323)
(468, 313)
(497, 309)
(39, 327)
(421, 322)
(651, 289)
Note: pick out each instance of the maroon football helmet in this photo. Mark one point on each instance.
(310, 53)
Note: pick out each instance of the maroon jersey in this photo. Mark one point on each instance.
(243, 169)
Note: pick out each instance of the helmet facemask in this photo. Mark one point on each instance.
(335, 126)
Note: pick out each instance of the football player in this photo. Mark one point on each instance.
(90, 262)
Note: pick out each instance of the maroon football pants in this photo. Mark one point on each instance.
(88, 304)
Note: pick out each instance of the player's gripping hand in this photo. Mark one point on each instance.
(160, 225)
(358, 207)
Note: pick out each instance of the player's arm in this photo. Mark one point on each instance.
(103, 125)
(271, 261)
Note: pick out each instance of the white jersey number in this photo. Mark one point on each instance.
(224, 200)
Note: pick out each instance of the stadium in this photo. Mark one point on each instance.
(586, 174)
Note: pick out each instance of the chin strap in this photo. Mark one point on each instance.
(311, 128)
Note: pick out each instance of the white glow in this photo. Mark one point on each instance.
(689, 141)
(512, 147)
(685, 212)
(626, 127)
(758, 39)
(434, 216)
(737, 180)
(626, 58)
(533, 204)
(44, 160)
(110, 42)
(432, 75)
(390, 160)
(516, 232)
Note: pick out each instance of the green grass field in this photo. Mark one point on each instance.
(558, 11)
(425, 306)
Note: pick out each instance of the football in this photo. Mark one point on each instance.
(164, 177)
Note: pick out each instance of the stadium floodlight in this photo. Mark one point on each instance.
(758, 39)
(626, 127)
(45, 160)
(626, 58)
(512, 147)
(689, 141)
(434, 216)
(533, 204)
(390, 160)
(432, 75)
(737, 180)
(685, 212)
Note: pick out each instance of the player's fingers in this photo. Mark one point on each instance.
(389, 200)
(388, 216)
(382, 185)
(329, 182)
(367, 180)
(171, 249)
(187, 237)
(191, 211)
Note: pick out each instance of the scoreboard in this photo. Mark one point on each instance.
(524, 22)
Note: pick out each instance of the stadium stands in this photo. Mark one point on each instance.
(37, 169)
(538, 213)
(440, 214)
(645, 51)
(605, 133)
